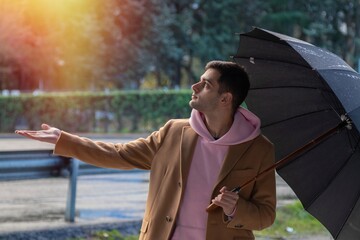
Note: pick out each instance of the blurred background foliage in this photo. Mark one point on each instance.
(146, 44)
(97, 112)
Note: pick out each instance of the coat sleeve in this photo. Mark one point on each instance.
(135, 154)
(259, 211)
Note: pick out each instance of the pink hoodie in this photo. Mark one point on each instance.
(205, 167)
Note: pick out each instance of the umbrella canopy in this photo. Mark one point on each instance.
(300, 91)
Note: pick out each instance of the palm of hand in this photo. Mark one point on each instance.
(47, 134)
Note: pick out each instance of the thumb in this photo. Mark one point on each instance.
(223, 189)
(44, 126)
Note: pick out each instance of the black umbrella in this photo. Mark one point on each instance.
(301, 92)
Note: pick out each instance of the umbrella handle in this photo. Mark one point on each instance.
(346, 122)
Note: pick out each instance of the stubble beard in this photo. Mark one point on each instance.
(191, 104)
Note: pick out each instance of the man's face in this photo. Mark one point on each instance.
(206, 95)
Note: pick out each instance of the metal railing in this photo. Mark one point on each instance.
(17, 165)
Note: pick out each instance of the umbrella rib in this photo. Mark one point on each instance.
(253, 60)
(305, 87)
(297, 116)
(356, 138)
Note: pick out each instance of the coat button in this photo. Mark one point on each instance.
(168, 219)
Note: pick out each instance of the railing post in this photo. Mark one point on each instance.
(71, 196)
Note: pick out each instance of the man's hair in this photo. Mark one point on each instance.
(233, 79)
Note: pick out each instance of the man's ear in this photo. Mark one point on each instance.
(226, 98)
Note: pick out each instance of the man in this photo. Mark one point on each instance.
(194, 162)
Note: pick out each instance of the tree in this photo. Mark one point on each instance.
(332, 25)
(136, 37)
(91, 44)
(335, 26)
(18, 49)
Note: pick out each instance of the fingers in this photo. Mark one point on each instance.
(44, 126)
(21, 132)
(227, 200)
(27, 133)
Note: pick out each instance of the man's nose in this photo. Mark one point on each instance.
(195, 87)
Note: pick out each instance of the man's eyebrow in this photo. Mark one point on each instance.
(208, 80)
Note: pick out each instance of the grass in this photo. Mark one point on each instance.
(108, 235)
(293, 220)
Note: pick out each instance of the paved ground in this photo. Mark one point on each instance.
(110, 198)
(38, 204)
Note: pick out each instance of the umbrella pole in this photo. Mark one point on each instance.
(344, 123)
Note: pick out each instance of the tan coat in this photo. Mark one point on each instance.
(168, 153)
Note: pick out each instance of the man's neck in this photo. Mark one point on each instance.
(219, 124)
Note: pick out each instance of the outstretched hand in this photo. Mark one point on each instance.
(47, 134)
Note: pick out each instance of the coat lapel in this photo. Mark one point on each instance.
(233, 156)
(187, 147)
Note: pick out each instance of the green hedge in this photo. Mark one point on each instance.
(134, 111)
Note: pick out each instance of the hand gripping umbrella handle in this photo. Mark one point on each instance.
(345, 122)
(212, 206)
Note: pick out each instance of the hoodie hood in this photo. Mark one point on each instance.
(246, 126)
